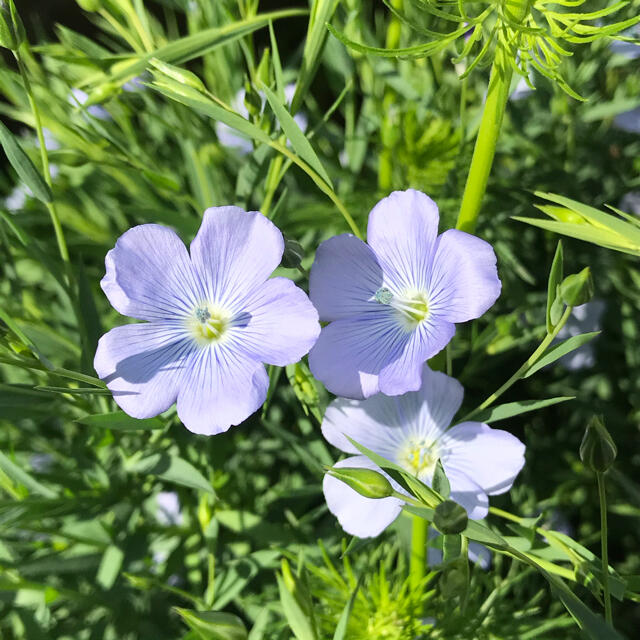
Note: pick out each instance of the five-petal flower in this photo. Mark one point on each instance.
(392, 303)
(412, 431)
(213, 317)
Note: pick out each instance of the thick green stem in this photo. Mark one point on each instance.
(605, 548)
(485, 149)
(418, 562)
(55, 220)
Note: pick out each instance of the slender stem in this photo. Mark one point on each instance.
(55, 220)
(418, 561)
(485, 149)
(605, 548)
(531, 360)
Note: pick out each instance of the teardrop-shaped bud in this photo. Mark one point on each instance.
(366, 482)
(577, 288)
(450, 517)
(597, 450)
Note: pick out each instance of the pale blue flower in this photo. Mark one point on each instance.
(78, 97)
(412, 431)
(393, 303)
(213, 318)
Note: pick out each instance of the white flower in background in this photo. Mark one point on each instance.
(412, 431)
(79, 97)
(630, 203)
(522, 89)
(17, 198)
(41, 462)
(134, 85)
(583, 319)
(627, 49)
(168, 508)
(229, 137)
(628, 121)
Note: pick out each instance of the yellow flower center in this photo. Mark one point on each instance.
(420, 458)
(412, 306)
(209, 323)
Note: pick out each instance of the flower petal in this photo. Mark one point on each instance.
(350, 353)
(467, 493)
(357, 515)
(234, 252)
(491, 457)
(142, 365)
(405, 372)
(149, 274)
(464, 281)
(402, 232)
(386, 424)
(282, 325)
(222, 387)
(344, 278)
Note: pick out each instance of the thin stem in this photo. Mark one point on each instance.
(55, 220)
(605, 549)
(531, 360)
(485, 149)
(418, 561)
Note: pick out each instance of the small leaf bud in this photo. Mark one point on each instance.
(577, 288)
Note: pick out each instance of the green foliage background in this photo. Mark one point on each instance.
(83, 553)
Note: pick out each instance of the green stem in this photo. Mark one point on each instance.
(531, 360)
(485, 149)
(418, 561)
(605, 549)
(55, 220)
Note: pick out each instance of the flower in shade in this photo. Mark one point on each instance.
(393, 303)
(168, 505)
(412, 432)
(79, 97)
(213, 318)
(628, 121)
(583, 319)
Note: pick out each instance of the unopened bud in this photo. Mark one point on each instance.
(597, 450)
(577, 288)
(178, 74)
(263, 72)
(293, 254)
(450, 517)
(252, 101)
(366, 482)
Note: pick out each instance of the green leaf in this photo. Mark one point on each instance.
(22, 477)
(110, 566)
(341, 627)
(298, 140)
(561, 349)
(213, 625)
(510, 409)
(119, 421)
(23, 166)
(172, 469)
(299, 623)
(555, 278)
(440, 481)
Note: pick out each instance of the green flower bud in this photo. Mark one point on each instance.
(178, 74)
(450, 517)
(577, 288)
(90, 5)
(597, 450)
(263, 72)
(12, 33)
(366, 482)
(252, 101)
(293, 254)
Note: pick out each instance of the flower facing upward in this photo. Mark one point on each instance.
(392, 303)
(412, 432)
(213, 318)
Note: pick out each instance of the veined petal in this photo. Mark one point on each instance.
(357, 515)
(464, 281)
(350, 353)
(149, 275)
(405, 372)
(491, 457)
(142, 365)
(282, 324)
(234, 252)
(222, 386)
(344, 278)
(402, 232)
(467, 493)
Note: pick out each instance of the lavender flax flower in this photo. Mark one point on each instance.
(392, 303)
(213, 318)
(412, 431)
